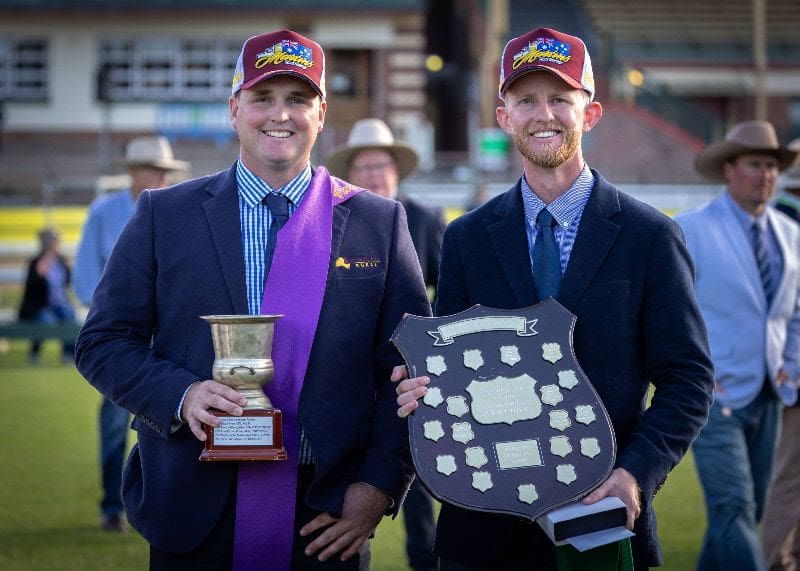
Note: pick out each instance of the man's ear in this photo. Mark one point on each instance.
(233, 108)
(591, 115)
(323, 108)
(501, 114)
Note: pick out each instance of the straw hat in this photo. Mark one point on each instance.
(745, 138)
(371, 134)
(154, 152)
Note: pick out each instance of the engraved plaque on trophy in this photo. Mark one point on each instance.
(243, 361)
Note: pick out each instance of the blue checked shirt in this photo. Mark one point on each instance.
(255, 220)
(566, 209)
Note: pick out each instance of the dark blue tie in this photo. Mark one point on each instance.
(279, 207)
(762, 261)
(546, 258)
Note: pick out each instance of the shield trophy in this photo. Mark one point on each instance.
(243, 361)
(510, 422)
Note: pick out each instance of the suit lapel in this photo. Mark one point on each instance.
(222, 213)
(596, 235)
(509, 238)
(340, 215)
(784, 247)
(741, 246)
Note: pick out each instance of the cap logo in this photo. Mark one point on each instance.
(286, 52)
(544, 49)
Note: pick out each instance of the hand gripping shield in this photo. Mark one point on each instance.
(510, 423)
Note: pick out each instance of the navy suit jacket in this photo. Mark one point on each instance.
(426, 225)
(629, 282)
(180, 257)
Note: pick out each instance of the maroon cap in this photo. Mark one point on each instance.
(279, 53)
(564, 55)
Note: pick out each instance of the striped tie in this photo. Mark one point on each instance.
(762, 261)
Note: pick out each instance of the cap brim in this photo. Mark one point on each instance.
(709, 161)
(561, 75)
(405, 155)
(269, 74)
(166, 165)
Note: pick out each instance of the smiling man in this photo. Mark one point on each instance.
(269, 235)
(620, 266)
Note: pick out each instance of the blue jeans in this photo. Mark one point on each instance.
(114, 423)
(420, 528)
(54, 314)
(733, 455)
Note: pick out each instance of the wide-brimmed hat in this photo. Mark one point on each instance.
(372, 134)
(748, 137)
(153, 152)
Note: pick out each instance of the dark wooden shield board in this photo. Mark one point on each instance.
(511, 423)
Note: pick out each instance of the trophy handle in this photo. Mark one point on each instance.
(233, 370)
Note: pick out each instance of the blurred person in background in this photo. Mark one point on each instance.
(45, 297)
(374, 160)
(150, 162)
(748, 288)
(780, 529)
(479, 195)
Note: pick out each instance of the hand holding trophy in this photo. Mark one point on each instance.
(243, 361)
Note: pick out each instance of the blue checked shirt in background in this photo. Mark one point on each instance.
(566, 209)
(255, 219)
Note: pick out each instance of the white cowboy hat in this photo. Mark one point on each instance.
(369, 134)
(154, 152)
(745, 138)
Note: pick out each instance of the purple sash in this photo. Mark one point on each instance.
(295, 288)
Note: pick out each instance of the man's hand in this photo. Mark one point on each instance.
(622, 485)
(364, 505)
(205, 395)
(409, 391)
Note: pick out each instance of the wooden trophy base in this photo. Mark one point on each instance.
(256, 435)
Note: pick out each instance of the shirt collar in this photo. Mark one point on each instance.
(745, 218)
(253, 189)
(566, 207)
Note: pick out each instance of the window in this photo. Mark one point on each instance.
(156, 69)
(23, 69)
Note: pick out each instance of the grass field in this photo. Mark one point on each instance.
(49, 486)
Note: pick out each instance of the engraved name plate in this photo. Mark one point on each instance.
(505, 400)
(244, 431)
(519, 454)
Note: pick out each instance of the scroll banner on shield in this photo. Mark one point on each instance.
(510, 423)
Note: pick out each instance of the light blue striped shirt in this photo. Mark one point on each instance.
(255, 220)
(566, 209)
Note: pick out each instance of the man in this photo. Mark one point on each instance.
(780, 536)
(201, 248)
(620, 266)
(372, 159)
(748, 288)
(150, 162)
